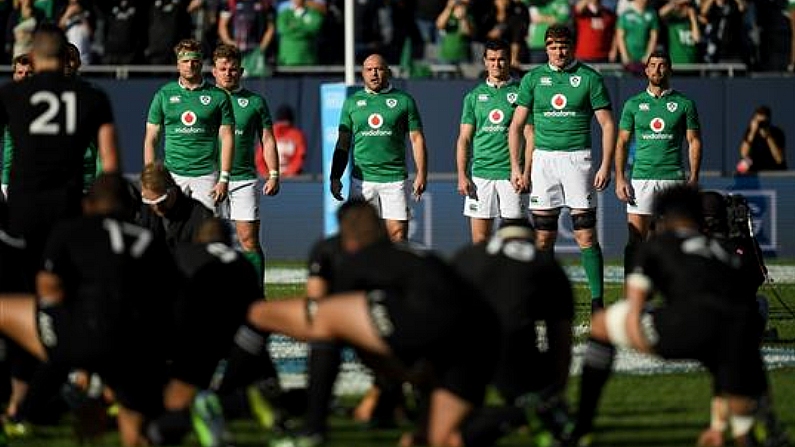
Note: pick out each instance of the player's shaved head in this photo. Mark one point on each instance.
(375, 59)
(111, 194)
(49, 44)
(360, 225)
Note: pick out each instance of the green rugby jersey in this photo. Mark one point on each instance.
(252, 115)
(379, 123)
(562, 103)
(8, 154)
(490, 110)
(681, 45)
(659, 126)
(637, 26)
(190, 121)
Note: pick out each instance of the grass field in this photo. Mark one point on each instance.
(637, 409)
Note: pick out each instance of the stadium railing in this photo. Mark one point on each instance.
(446, 71)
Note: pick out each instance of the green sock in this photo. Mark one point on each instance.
(257, 259)
(593, 263)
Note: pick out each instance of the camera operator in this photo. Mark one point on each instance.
(763, 146)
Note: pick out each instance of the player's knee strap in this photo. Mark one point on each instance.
(616, 323)
(545, 222)
(583, 221)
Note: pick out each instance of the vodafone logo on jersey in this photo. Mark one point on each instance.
(188, 118)
(559, 101)
(375, 121)
(657, 125)
(496, 116)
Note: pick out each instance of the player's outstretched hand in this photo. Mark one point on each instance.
(336, 188)
(220, 191)
(602, 179)
(271, 187)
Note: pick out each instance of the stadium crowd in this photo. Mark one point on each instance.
(191, 350)
(310, 32)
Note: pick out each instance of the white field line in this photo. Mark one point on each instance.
(779, 274)
(355, 378)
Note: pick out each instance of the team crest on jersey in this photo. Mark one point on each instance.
(391, 103)
(643, 107)
(511, 97)
(483, 97)
(242, 102)
(559, 101)
(496, 116)
(575, 81)
(174, 99)
(672, 106)
(545, 80)
(657, 125)
(204, 99)
(188, 118)
(375, 120)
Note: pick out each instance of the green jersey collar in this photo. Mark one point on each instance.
(185, 87)
(386, 89)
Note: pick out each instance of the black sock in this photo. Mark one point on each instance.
(248, 361)
(324, 364)
(487, 425)
(596, 370)
(169, 428)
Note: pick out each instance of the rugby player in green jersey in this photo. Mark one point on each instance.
(661, 120)
(482, 158)
(253, 124)
(373, 124)
(559, 100)
(192, 114)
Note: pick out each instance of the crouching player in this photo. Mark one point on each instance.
(408, 308)
(532, 296)
(704, 316)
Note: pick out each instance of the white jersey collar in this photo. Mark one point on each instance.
(386, 89)
(185, 87)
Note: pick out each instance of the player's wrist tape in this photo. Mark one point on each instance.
(224, 177)
(639, 281)
(273, 174)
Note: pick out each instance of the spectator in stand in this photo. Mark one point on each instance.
(369, 32)
(404, 32)
(250, 25)
(595, 27)
(456, 28)
(123, 40)
(680, 18)
(169, 22)
(637, 34)
(508, 20)
(775, 34)
(22, 22)
(290, 142)
(298, 27)
(21, 68)
(764, 146)
(543, 14)
(724, 30)
(76, 21)
(791, 15)
(426, 15)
